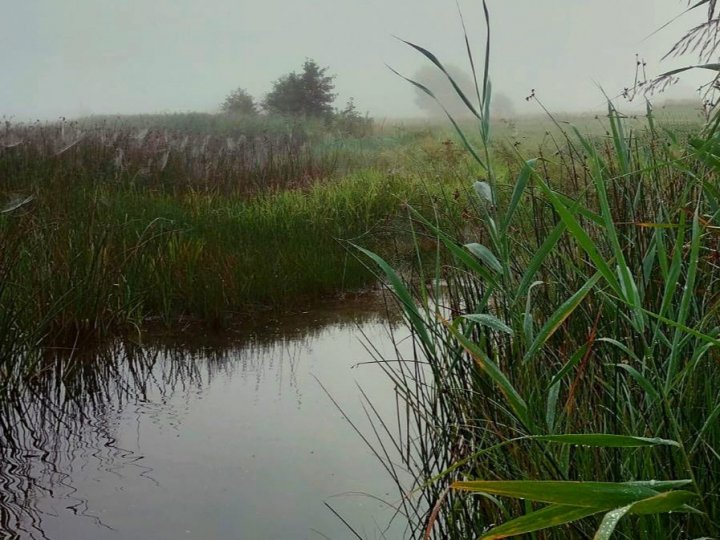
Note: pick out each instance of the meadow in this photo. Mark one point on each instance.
(562, 293)
(107, 227)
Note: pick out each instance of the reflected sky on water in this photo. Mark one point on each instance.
(206, 436)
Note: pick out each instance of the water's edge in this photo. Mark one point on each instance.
(205, 435)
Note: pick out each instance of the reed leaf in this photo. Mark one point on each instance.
(598, 495)
(545, 518)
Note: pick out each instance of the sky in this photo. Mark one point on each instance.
(79, 57)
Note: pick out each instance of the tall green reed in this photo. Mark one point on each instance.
(570, 352)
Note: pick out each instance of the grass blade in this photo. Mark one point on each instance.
(430, 56)
(520, 185)
(600, 495)
(537, 260)
(458, 129)
(609, 522)
(485, 255)
(550, 516)
(490, 321)
(557, 318)
(605, 440)
(404, 295)
(517, 403)
(582, 238)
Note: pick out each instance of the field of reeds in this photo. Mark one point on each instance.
(566, 365)
(105, 228)
(567, 360)
(560, 279)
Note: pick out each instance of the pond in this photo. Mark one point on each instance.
(197, 435)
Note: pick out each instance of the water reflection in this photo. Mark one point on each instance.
(200, 435)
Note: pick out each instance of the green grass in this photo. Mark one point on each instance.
(590, 309)
(565, 369)
(567, 323)
(98, 248)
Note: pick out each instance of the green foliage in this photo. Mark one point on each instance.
(215, 125)
(349, 121)
(239, 102)
(103, 230)
(578, 311)
(308, 93)
(559, 295)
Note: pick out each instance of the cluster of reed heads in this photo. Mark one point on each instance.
(236, 163)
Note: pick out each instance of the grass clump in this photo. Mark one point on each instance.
(565, 361)
(105, 230)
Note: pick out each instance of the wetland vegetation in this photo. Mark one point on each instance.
(558, 276)
(568, 350)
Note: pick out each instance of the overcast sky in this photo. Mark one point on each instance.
(77, 57)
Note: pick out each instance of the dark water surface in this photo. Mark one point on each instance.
(197, 436)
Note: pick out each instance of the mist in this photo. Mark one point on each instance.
(109, 57)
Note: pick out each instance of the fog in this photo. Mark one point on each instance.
(86, 57)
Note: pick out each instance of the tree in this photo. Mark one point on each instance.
(239, 102)
(501, 106)
(350, 122)
(308, 93)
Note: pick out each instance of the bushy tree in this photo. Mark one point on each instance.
(308, 93)
(239, 102)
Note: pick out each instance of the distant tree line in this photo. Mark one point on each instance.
(304, 94)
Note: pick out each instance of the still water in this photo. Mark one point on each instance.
(207, 436)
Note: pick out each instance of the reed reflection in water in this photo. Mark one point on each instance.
(202, 436)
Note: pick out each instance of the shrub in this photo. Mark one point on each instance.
(239, 102)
